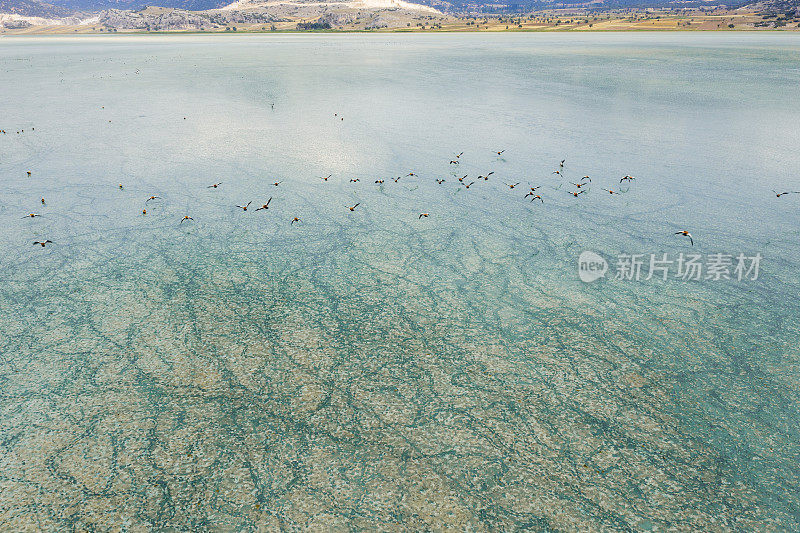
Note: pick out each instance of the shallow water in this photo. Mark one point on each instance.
(371, 369)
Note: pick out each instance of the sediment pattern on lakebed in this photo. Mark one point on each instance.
(235, 394)
(374, 369)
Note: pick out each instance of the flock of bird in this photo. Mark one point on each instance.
(581, 186)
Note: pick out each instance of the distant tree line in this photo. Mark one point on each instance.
(314, 25)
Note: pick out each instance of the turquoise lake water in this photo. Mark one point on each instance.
(378, 370)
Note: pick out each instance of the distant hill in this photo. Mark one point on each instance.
(63, 8)
(778, 6)
(135, 5)
(34, 8)
(518, 6)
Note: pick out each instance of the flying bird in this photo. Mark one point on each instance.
(353, 208)
(244, 207)
(512, 185)
(356, 180)
(609, 191)
(440, 181)
(626, 178)
(294, 219)
(575, 194)
(379, 181)
(423, 215)
(214, 186)
(500, 152)
(277, 183)
(469, 185)
(186, 217)
(686, 234)
(454, 162)
(779, 194)
(579, 185)
(31, 215)
(326, 177)
(265, 206)
(42, 243)
(536, 197)
(43, 202)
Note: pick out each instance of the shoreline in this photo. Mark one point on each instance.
(167, 21)
(387, 32)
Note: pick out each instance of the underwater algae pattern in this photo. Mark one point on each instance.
(369, 370)
(215, 391)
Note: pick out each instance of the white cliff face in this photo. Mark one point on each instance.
(354, 4)
(392, 4)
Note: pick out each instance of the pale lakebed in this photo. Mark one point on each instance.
(373, 369)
